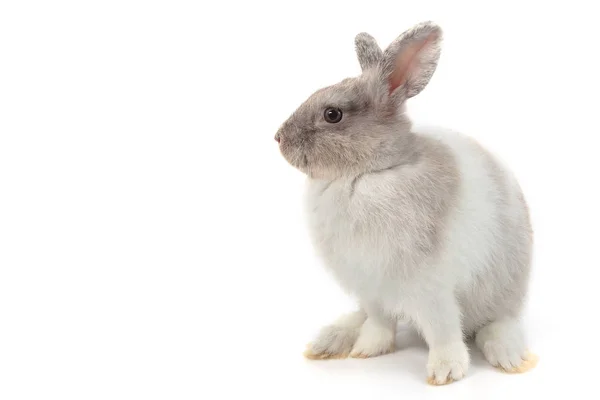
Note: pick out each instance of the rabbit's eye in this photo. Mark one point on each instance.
(333, 115)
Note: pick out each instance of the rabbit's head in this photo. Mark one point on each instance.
(358, 125)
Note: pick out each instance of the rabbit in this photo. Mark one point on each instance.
(417, 224)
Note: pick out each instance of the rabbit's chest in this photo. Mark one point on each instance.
(352, 243)
(333, 224)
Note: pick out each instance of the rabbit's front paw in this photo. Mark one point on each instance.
(374, 340)
(336, 340)
(332, 342)
(447, 364)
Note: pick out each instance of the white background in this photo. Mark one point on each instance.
(152, 244)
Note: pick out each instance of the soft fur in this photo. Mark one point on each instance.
(421, 224)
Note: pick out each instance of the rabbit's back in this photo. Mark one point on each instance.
(490, 238)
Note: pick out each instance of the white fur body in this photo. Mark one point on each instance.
(477, 278)
(478, 249)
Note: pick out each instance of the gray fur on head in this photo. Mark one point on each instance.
(372, 106)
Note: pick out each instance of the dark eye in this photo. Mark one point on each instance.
(333, 115)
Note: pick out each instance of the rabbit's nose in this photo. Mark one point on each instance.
(277, 138)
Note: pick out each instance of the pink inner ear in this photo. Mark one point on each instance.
(407, 62)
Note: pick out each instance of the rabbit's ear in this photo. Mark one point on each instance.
(367, 50)
(410, 61)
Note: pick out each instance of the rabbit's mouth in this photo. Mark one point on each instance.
(293, 152)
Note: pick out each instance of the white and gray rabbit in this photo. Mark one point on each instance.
(420, 225)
